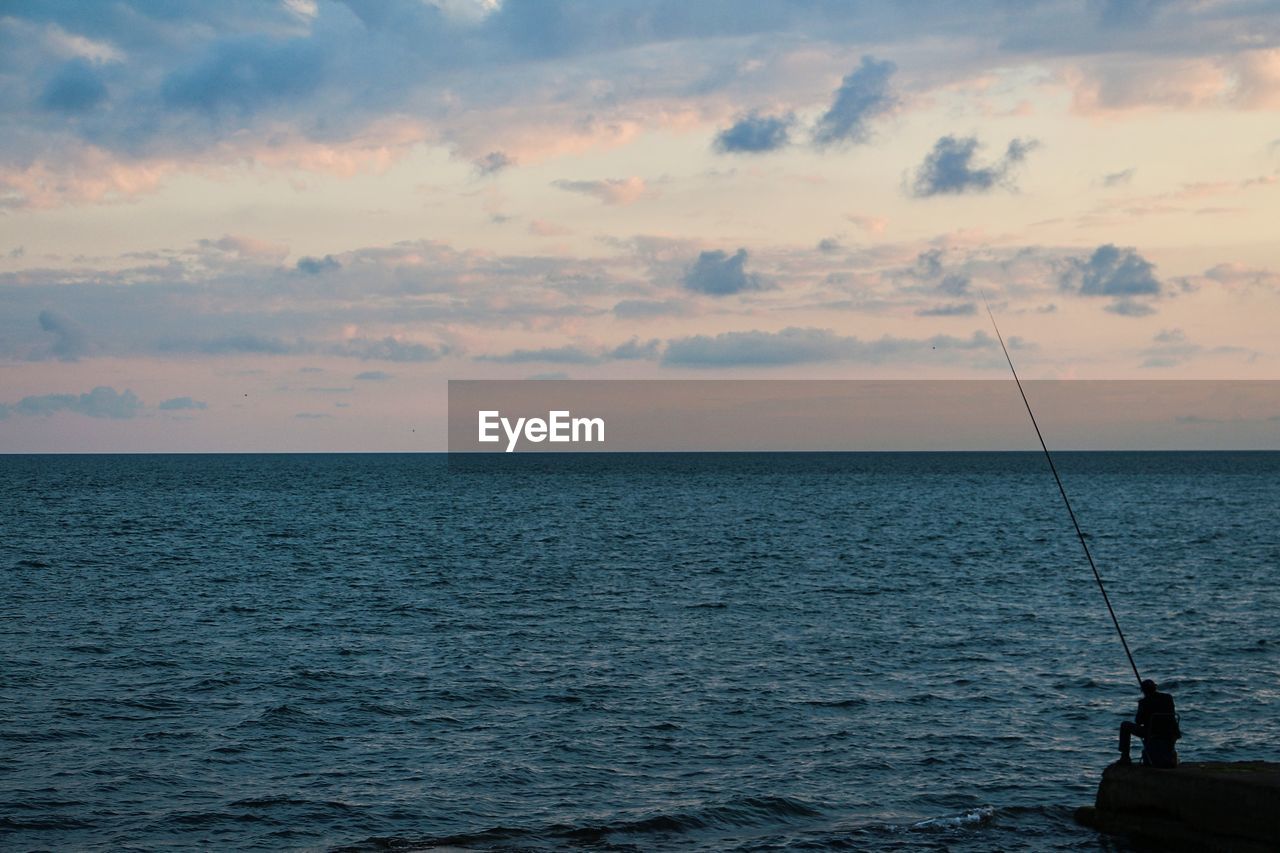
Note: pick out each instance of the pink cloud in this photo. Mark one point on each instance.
(1248, 80)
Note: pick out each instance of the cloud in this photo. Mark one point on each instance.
(71, 341)
(1111, 271)
(754, 133)
(949, 169)
(635, 350)
(541, 228)
(1130, 308)
(246, 248)
(717, 273)
(115, 101)
(236, 344)
(1243, 77)
(1127, 14)
(175, 404)
(1241, 275)
(804, 346)
(547, 355)
(373, 376)
(638, 309)
(316, 266)
(367, 349)
(1170, 348)
(954, 284)
(863, 95)
(1119, 179)
(871, 224)
(828, 245)
(955, 309)
(77, 88)
(101, 402)
(387, 349)
(240, 75)
(493, 162)
(615, 191)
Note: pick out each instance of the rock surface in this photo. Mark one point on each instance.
(1219, 806)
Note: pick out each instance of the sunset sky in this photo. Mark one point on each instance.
(283, 226)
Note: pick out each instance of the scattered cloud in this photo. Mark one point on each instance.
(1130, 308)
(863, 95)
(71, 341)
(614, 191)
(874, 225)
(639, 309)
(76, 88)
(101, 402)
(949, 169)
(387, 349)
(1243, 275)
(546, 355)
(373, 376)
(1111, 271)
(1172, 348)
(316, 266)
(541, 228)
(636, 350)
(113, 104)
(1119, 179)
(717, 273)
(754, 133)
(244, 247)
(953, 309)
(804, 346)
(177, 404)
(367, 349)
(493, 162)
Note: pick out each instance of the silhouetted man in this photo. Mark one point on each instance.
(1156, 723)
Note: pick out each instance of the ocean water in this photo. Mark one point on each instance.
(653, 652)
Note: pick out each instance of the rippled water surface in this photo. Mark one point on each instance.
(751, 652)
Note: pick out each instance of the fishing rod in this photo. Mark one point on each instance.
(1047, 455)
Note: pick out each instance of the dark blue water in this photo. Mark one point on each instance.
(751, 652)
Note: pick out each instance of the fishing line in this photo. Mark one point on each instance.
(1080, 533)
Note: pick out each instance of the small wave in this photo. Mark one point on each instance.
(973, 817)
(146, 703)
(45, 823)
(88, 649)
(737, 813)
(283, 716)
(210, 818)
(33, 564)
(387, 710)
(851, 702)
(33, 736)
(273, 802)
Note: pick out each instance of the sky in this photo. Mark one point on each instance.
(284, 226)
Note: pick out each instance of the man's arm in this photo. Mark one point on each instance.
(1144, 712)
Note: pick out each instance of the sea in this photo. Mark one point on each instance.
(616, 652)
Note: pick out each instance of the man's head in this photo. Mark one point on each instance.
(1148, 687)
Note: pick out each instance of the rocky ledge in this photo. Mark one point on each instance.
(1231, 807)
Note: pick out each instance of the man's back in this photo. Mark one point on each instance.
(1156, 712)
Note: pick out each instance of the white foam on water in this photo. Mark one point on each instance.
(978, 815)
